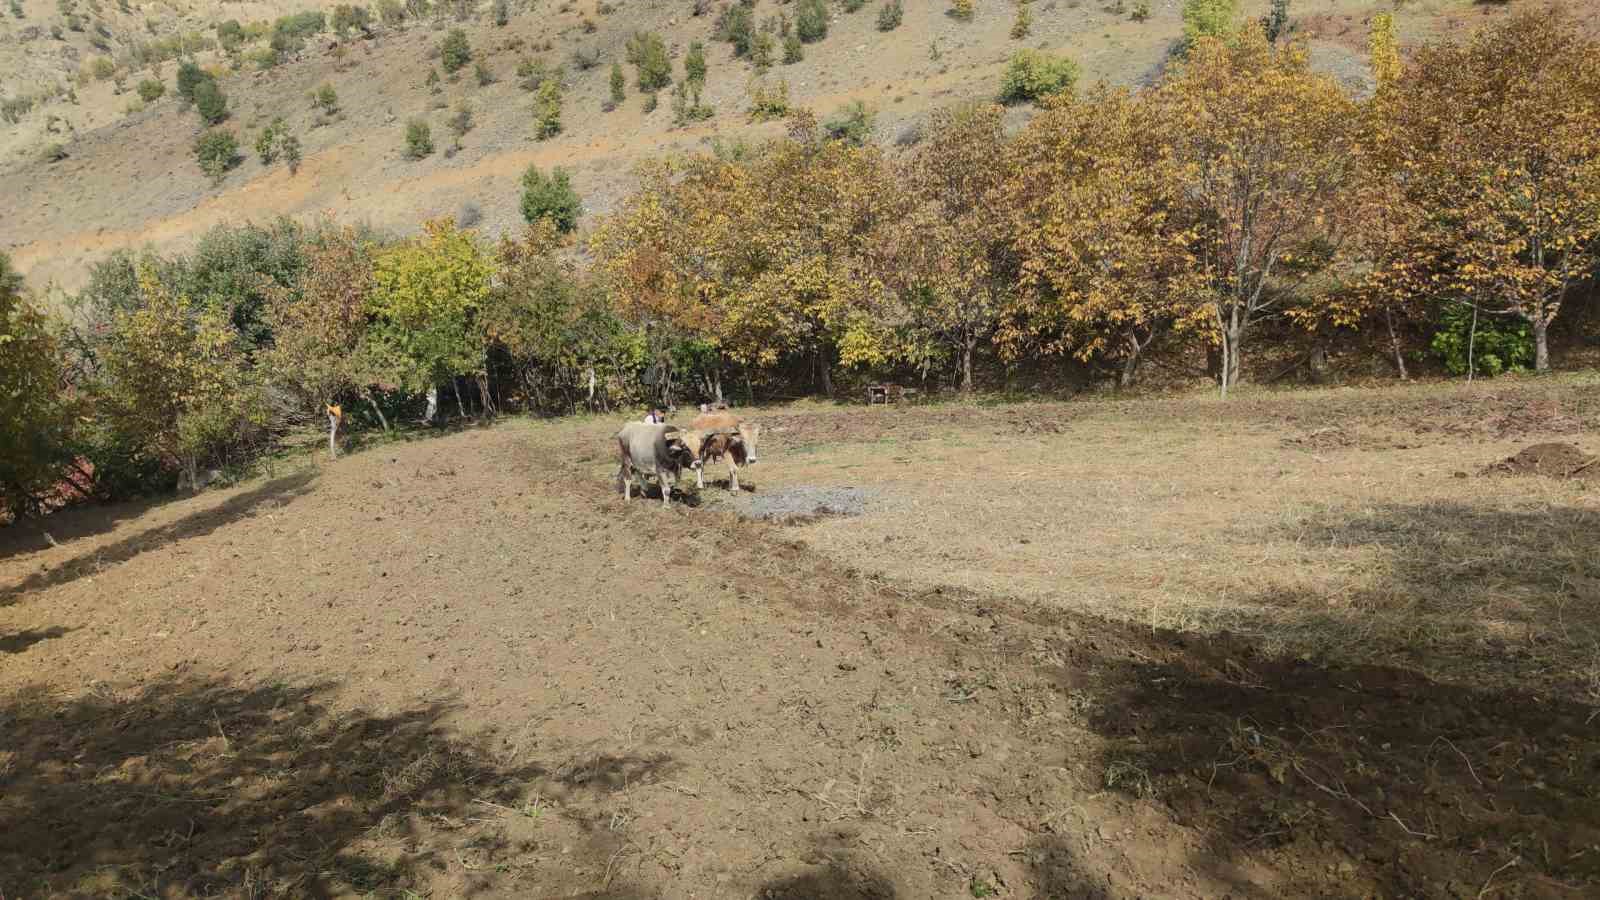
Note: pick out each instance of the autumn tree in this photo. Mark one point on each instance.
(319, 324)
(1266, 150)
(1498, 143)
(175, 383)
(425, 298)
(35, 411)
(1106, 262)
(943, 254)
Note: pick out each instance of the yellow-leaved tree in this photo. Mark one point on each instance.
(1266, 151)
(1496, 143)
(1106, 259)
(424, 307)
(941, 253)
(175, 382)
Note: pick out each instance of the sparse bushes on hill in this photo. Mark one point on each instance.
(210, 102)
(35, 414)
(419, 139)
(852, 123)
(391, 13)
(269, 141)
(793, 50)
(619, 84)
(150, 90)
(811, 20)
(230, 35)
(1208, 18)
(1034, 75)
(736, 25)
(454, 51)
(326, 99)
(550, 198)
(347, 17)
(761, 52)
(502, 13)
(482, 73)
(851, 6)
(547, 110)
(963, 10)
(460, 120)
(890, 15)
(694, 63)
(648, 53)
(1024, 21)
(217, 151)
(768, 100)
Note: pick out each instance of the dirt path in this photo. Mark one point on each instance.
(463, 665)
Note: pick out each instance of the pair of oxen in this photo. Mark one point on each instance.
(662, 451)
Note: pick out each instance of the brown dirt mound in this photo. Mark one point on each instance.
(1553, 460)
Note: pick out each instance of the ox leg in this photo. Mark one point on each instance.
(666, 493)
(733, 475)
(700, 476)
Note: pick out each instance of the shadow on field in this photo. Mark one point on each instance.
(193, 787)
(1470, 590)
(834, 870)
(1361, 781)
(201, 522)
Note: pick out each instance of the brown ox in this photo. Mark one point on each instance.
(723, 435)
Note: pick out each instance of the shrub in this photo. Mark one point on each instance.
(391, 12)
(736, 25)
(217, 151)
(811, 20)
(102, 68)
(54, 153)
(326, 99)
(454, 51)
(1023, 23)
(550, 197)
(962, 10)
(547, 110)
(230, 35)
(150, 90)
(694, 63)
(1495, 346)
(460, 120)
(210, 102)
(482, 73)
(1034, 74)
(502, 13)
(1141, 10)
(346, 17)
(890, 15)
(432, 81)
(291, 152)
(852, 123)
(648, 53)
(768, 101)
(35, 417)
(761, 52)
(269, 141)
(1208, 18)
(1276, 22)
(851, 6)
(792, 50)
(686, 106)
(419, 139)
(619, 83)
(650, 103)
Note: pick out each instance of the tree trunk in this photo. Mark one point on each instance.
(485, 399)
(967, 345)
(1472, 342)
(461, 403)
(590, 402)
(333, 435)
(824, 376)
(376, 409)
(1130, 366)
(1541, 343)
(1231, 339)
(433, 404)
(1394, 343)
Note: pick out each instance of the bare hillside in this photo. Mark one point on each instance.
(128, 176)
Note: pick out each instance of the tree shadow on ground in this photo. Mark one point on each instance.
(22, 640)
(1472, 592)
(833, 869)
(194, 787)
(200, 522)
(1347, 780)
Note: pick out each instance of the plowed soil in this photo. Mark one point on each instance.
(463, 666)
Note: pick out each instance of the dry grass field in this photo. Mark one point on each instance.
(1295, 644)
